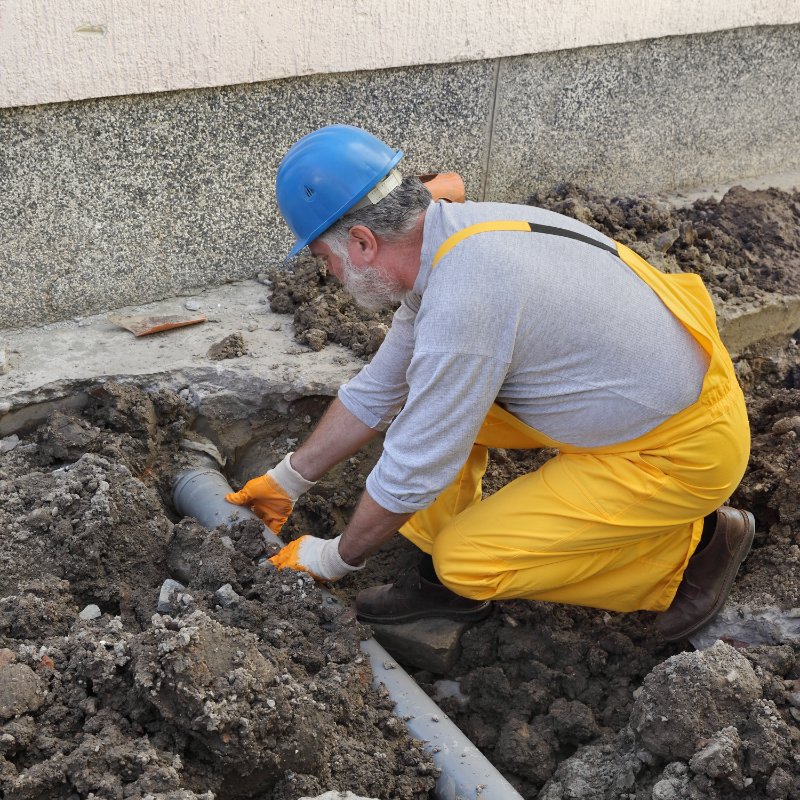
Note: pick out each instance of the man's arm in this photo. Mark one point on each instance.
(369, 528)
(338, 435)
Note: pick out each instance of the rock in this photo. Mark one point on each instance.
(665, 240)
(90, 612)
(226, 596)
(690, 697)
(191, 305)
(740, 623)
(431, 644)
(786, 424)
(20, 691)
(8, 443)
(165, 595)
(721, 758)
(4, 365)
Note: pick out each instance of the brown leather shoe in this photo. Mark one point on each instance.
(709, 575)
(411, 597)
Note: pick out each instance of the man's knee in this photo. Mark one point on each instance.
(466, 576)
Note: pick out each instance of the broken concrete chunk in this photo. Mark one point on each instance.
(742, 624)
(90, 612)
(432, 644)
(20, 691)
(226, 596)
(165, 595)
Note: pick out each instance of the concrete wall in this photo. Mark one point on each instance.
(56, 50)
(115, 201)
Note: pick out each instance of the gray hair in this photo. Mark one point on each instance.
(390, 219)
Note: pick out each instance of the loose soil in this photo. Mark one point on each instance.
(261, 693)
(263, 696)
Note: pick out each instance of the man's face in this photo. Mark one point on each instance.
(370, 285)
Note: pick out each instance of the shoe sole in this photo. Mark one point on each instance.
(730, 577)
(472, 615)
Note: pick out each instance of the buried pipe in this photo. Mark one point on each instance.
(466, 774)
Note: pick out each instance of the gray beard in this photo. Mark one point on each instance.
(371, 287)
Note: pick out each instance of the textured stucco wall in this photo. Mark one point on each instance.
(123, 200)
(56, 50)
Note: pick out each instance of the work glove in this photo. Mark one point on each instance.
(272, 496)
(318, 557)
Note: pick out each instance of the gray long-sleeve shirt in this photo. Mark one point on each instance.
(562, 334)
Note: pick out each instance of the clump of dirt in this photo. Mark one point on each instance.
(323, 311)
(248, 686)
(232, 346)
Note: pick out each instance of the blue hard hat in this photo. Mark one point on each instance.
(325, 174)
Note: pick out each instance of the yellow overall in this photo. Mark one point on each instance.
(610, 527)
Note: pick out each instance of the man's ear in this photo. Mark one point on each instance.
(365, 242)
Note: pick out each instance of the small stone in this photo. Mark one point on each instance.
(8, 443)
(191, 305)
(7, 657)
(90, 612)
(665, 240)
(20, 691)
(794, 699)
(253, 326)
(786, 424)
(165, 595)
(226, 596)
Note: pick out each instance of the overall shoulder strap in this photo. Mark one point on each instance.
(514, 225)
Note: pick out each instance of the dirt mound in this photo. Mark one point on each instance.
(323, 311)
(743, 246)
(246, 686)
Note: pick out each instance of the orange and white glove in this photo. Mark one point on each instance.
(318, 557)
(272, 496)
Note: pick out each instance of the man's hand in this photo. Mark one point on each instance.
(318, 557)
(272, 496)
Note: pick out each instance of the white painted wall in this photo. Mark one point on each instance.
(55, 50)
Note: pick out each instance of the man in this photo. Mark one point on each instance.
(517, 328)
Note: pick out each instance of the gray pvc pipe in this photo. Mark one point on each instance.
(466, 774)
